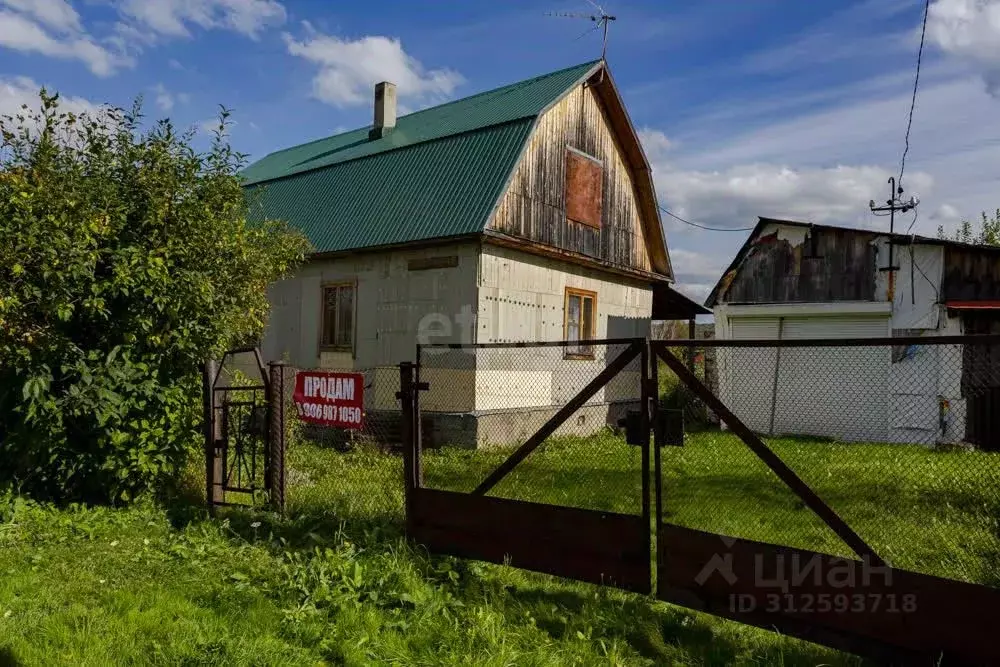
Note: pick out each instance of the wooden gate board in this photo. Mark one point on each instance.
(588, 545)
(597, 547)
(891, 614)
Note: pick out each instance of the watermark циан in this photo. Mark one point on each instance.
(795, 582)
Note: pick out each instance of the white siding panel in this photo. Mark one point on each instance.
(522, 298)
(393, 305)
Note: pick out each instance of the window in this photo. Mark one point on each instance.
(580, 317)
(584, 188)
(338, 316)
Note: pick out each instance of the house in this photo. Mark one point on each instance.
(525, 213)
(796, 280)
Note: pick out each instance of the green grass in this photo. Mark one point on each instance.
(334, 583)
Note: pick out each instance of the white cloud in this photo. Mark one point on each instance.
(210, 126)
(55, 14)
(654, 142)
(19, 91)
(969, 29)
(173, 18)
(734, 197)
(349, 69)
(20, 33)
(163, 98)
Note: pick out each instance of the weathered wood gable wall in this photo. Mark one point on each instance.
(533, 207)
(833, 265)
(971, 275)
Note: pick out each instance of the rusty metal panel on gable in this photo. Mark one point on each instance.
(584, 177)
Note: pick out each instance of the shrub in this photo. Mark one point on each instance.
(125, 258)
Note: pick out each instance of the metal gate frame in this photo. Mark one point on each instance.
(240, 434)
(950, 622)
(594, 546)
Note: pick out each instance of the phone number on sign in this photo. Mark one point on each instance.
(330, 412)
(822, 603)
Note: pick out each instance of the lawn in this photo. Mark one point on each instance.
(936, 512)
(335, 583)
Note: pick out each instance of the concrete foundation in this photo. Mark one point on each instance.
(473, 430)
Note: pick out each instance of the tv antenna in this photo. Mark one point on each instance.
(601, 20)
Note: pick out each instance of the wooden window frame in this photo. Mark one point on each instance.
(323, 346)
(583, 294)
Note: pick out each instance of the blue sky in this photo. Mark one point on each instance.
(746, 107)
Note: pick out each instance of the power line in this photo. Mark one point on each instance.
(916, 85)
(915, 214)
(706, 227)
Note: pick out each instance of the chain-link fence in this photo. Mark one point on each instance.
(484, 401)
(352, 473)
(901, 440)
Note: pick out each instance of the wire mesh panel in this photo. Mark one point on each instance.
(898, 437)
(352, 473)
(485, 401)
(529, 459)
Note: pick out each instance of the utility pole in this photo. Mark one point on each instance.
(892, 204)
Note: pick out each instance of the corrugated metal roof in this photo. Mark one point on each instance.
(438, 174)
(430, 190)
(520, 100)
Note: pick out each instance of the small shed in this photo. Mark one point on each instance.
(796, 280)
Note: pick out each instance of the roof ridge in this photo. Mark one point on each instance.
(510, 87)
(395, 149)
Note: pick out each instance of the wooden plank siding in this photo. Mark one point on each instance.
(830, 265)
(534, 206)
(971, 274)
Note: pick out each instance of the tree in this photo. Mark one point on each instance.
(988, 234)
(126, 257)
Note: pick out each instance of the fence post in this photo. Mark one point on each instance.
(208, 371)
(275, 475)
(647, 391)
(691, 350)
(409, 436)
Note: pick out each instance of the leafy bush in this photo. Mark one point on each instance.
(675, 395)
(125, 258)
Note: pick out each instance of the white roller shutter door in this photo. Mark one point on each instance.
(836, 392)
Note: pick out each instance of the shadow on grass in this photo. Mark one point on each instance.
(663, 633)
(8, 658)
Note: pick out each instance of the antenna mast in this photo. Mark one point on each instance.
(601, 20)
(892, 204)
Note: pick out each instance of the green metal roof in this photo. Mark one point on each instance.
(437, 174)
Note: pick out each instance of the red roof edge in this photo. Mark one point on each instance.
(973, 305)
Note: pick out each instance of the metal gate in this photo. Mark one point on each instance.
(848, 597)
(855, 602)
(237, 429)
(492, 389)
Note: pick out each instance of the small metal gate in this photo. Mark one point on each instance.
(237, 395)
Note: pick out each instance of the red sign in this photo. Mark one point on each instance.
(330, 399)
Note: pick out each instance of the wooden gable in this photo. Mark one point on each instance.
(576, 187)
